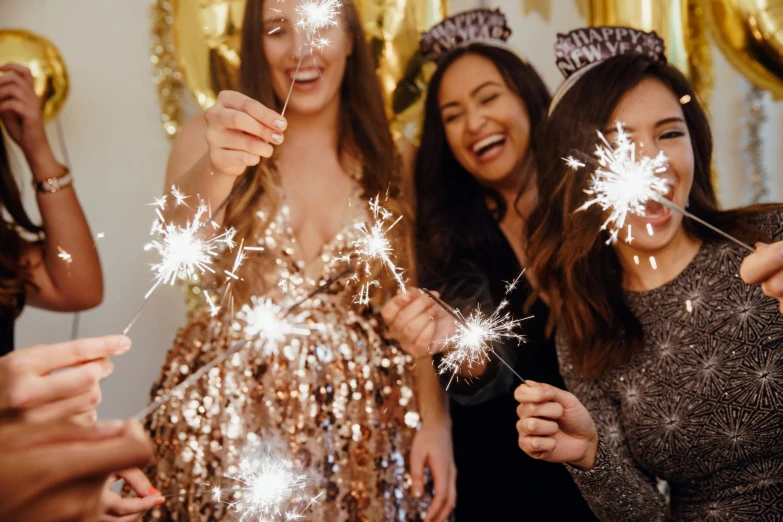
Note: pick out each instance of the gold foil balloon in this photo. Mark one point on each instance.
(207, 36)
(393, 28)
(678, 22)
(750, 34)
(45, 63)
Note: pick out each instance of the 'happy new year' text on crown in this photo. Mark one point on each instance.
(578, 51)
(486, 26)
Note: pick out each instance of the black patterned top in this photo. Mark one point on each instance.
(701, 406)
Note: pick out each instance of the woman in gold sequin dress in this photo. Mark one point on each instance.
(342, 403)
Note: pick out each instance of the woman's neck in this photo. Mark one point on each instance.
(645, 270)
(519, 200)
(309, 132)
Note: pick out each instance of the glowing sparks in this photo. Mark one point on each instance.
(622, 183)
(472, 341)
(315, 16)
(184, 251)
(650, 230)
(100, 235)
(374, 245)
(65, 256)
(268, 323)
(270, 486)
(653, 263)
(179, 197)
(573, 163)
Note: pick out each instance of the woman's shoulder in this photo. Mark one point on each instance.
(769, 219)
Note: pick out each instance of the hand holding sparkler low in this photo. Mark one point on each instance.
(418, 324)
(555, 426)
(765, 267)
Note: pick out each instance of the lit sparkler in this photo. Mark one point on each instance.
(314, 16)
(184, 251)
(624, 184)
(471, 344)
(268, 323)
(65, 256)
(271, 486)
(374, 245)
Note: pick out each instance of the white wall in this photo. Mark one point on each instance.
(118, 152)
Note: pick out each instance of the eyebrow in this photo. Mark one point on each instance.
(661, 123)
(472, 93)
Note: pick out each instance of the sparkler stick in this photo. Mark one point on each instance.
(238, 345)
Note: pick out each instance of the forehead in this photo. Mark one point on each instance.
(465, 74)
(647, 103)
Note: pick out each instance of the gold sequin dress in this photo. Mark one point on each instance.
(340, 401)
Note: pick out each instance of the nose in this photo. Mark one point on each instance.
(646, 146)
(475, 120)
(298, 41)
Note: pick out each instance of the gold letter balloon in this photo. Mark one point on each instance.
(197, 42)
(45, 63)
(750, 34)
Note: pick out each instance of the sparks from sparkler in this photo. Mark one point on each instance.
(184, 251)
(471, 343)
(314, 16)
(65, 256)
(373, 245)
(624, 184)
(271, 486)
(266, 322)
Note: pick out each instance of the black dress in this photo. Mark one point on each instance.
(7, 321)
(496, 480)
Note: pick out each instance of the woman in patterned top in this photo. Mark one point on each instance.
(675, 373)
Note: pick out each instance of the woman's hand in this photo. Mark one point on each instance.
(31, 391)
(417, 323)
(119, 509)
(765, 267)
(554, 426)
(432, 448)
(240, 131)
(22, 115)
(56, 471)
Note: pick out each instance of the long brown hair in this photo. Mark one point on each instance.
(363, 129)
(580, 276)
(15, 222)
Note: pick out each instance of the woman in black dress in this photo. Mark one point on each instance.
(475, 183)
(53, 266)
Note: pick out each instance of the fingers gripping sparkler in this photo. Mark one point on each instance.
(623, 184)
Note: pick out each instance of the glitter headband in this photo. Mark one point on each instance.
(477, 26)
(580, 50)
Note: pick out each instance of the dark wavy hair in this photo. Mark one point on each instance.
(580, 276)
(14, 275)
(452, 215)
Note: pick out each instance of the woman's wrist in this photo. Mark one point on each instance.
(588, 461)
(44, 165)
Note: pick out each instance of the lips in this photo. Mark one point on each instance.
(305, 74)
(488, 147)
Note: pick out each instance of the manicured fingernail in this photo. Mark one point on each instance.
(417, 492)
(154, 491)
(277, 138)
(108, 429)
(160, 501)
(280, 124)
(125, 344)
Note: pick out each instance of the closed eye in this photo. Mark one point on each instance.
(671, 134)
(490, 98)
(448, 118)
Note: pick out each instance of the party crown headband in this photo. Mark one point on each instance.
(578, 51)
(486, 26)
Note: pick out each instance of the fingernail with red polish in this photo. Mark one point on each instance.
(154, 491)
(160, 501)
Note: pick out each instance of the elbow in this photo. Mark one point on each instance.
(86, 298)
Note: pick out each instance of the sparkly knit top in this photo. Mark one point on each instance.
(700, 407)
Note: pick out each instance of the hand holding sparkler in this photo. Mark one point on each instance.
(420, 325)
(623, 184)
(765, 267)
